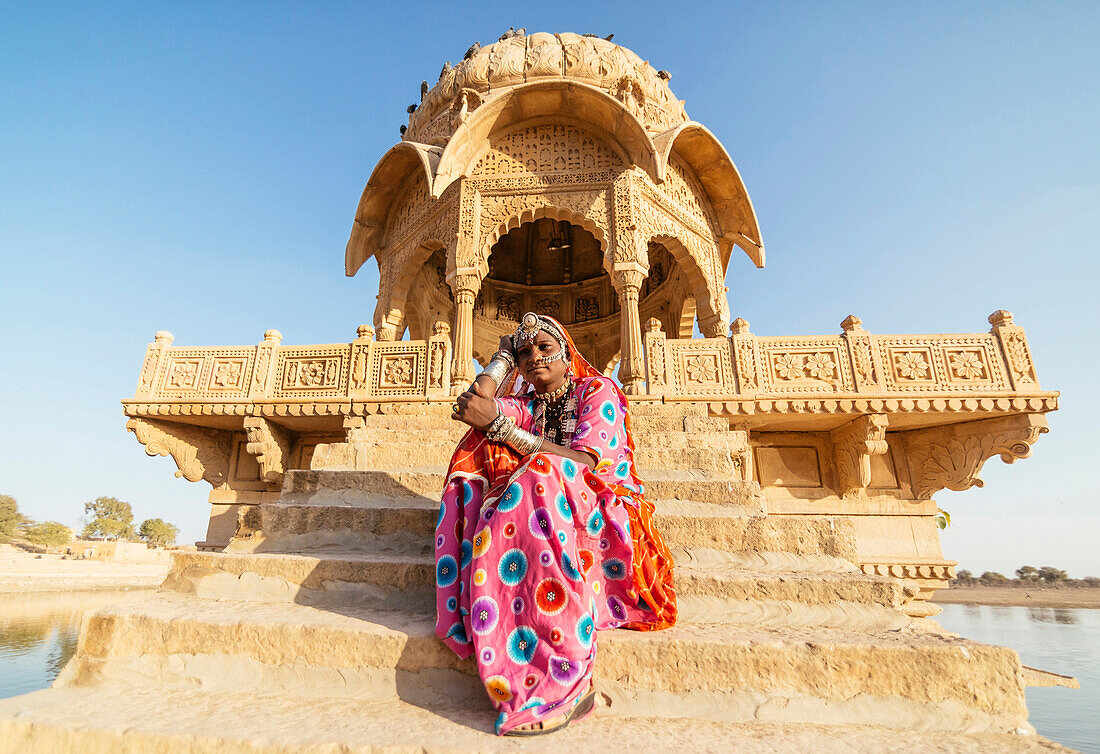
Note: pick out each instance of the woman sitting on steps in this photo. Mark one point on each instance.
(544, 535)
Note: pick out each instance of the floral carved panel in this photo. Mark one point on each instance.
(814, 365)
(700, 367)
(399, 368)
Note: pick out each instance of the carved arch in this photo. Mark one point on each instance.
(594, 108)
(703, 294)
(399, 285)
(547, 211)
(700, 149)
(385, 181)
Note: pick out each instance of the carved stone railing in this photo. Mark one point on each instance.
(807, 371)
(364, 370)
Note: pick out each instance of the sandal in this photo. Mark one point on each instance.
(580, 710)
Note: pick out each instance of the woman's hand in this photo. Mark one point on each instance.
(476, 407)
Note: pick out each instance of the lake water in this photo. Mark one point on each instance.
(1065, 641)
(38, 635)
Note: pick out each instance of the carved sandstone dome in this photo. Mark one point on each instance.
(523, 59)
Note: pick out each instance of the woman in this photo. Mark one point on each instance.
(544, 536)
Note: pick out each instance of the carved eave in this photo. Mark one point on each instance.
(388, 175)
(582, 103)
(700, 149)
(199, 453)
(951, 457)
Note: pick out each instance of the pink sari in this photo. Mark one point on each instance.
(535, 555)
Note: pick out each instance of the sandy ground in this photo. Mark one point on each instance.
(25, 572)
(1023, 596)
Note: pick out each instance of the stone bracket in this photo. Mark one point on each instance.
(271, 445)
(853, 445)
(199, 453)
(950, 457)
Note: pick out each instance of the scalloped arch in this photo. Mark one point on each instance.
(547, 211)
(693, 143)
(386, 178)
(579, 102)
(696, 280)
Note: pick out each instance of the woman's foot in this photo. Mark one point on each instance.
(537, 728)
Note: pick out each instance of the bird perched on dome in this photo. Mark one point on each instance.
(475, 48)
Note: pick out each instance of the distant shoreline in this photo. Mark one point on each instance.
(1020, 596)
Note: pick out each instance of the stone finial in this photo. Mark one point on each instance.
(165, 337)
(441, 328)
(851, 323)
(653, 325)
(1000, 318)
(365, 331)
(740, 326)
(273, 336)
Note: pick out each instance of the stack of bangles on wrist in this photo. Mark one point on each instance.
(499, 366)
(504, 430)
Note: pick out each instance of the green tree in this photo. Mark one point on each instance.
(110, 518)
(158, 532)
(47, 533)
(1027, 573)
(9, 516)
(992, 577)
(1052, 575)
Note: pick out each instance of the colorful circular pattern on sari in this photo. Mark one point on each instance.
(522, 643)
(562, 537)
(607, 412)
(498, 688)
(480, 576)
(512, 567)
(594, 525)
(567, 568)
(442, 513)
(510, 529)
(569, 468)
(482, 540)
(457, 633)
(452, 603)
(556, 636)
(565, 671)
(540, 523)
(546, 558)
(551, 596)
(585, 627)
(587, 559)
(518, 605)
(614, 569)
(620, 531)
(530, 680)
(512, 497)
(467, 553)
(439, 540)
(487, 656)
(541, 464)
(562, 505)
(540, 490)
(483, 615)
(446, 571)
(616, 608)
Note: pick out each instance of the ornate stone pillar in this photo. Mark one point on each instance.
(465, 286)
(627, 280)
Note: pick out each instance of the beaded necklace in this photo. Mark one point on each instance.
(556, 414)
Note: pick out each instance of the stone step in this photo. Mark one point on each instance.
(302, 486)
(407, 525)
(673, 439)
(674, 418)
(143, 717)
(691, 670)
(719, 592)
(366, 454)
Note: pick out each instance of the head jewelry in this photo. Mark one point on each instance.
(528, 329)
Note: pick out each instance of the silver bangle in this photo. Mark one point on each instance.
(506, 432)
(498, 367)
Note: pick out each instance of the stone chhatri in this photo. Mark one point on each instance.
(794, 476)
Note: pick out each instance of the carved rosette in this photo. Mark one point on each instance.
(853, 445)
(951, 457)
(199, 453)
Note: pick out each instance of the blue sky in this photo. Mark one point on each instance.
(196, 167)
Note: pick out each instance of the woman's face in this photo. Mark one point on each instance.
(531, 362)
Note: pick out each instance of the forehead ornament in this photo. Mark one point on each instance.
(529, 328)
